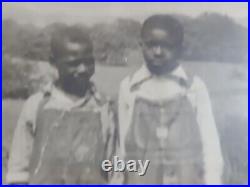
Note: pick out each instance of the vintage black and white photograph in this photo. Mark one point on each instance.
(125, 93)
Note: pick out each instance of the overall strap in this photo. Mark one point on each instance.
(42, 103)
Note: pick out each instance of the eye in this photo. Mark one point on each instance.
(163, 45)
(150, 44)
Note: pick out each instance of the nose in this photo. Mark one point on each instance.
(81, 68)
(158, 50)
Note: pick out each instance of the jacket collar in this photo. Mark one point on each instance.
(143, 75)
(60, 100)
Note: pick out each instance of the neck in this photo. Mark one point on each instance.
(72, 90)
(160, 71)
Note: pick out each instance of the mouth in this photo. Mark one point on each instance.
(158, 62)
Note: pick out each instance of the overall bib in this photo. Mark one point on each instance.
(68, 147)
(166, 133)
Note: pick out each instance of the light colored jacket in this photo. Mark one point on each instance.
(162, 87)
(20, 153)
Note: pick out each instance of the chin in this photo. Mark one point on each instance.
(161, 68)
(82, 82)
(155, 69)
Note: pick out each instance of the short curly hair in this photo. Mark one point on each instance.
(167, 23)
(69, 33)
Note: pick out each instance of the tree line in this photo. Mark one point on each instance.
(208, 37)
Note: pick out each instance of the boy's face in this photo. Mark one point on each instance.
(159, 50)
(76, 65)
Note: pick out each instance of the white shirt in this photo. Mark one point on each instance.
(163, 87)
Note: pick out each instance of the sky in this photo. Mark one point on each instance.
(42, 14)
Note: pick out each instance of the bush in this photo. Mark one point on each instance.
(15, 79)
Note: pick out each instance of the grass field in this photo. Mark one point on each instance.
(228, 87)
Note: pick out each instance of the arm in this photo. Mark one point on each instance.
(22, 144)
(110, 131)
(123, 113)
(213, 159)
(118, 177)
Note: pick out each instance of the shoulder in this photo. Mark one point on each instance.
(94, 94)
(43, 92)
(34, 99)
(198, 83)
(199, 88)
(125, 82)
(134, 77)
(124, 90)
(30, 106)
